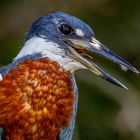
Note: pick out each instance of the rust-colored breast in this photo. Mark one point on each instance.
(36, 101)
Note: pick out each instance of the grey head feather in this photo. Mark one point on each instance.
(2, 134)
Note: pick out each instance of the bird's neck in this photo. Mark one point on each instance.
(50, 50)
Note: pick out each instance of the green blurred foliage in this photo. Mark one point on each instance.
(105, 112)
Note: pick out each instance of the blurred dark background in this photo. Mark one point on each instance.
(105, 112)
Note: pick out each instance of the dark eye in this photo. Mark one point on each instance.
(65, 29)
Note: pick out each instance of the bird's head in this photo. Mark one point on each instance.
(64, 38)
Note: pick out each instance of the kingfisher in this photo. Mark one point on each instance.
(38, 92)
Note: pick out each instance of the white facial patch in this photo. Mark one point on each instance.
(1, 77)
(66, 62)
(79, 32)
(49, 50)
(38, 45)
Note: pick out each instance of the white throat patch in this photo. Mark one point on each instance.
(50, 50)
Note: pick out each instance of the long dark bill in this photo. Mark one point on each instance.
(99, 48)
(95, 46)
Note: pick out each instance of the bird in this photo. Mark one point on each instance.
(38, 91)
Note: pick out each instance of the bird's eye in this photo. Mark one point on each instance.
(65, 29)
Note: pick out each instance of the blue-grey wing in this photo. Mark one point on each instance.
(67, 133)
(3, 70)
(1, 134)
(1, 129)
